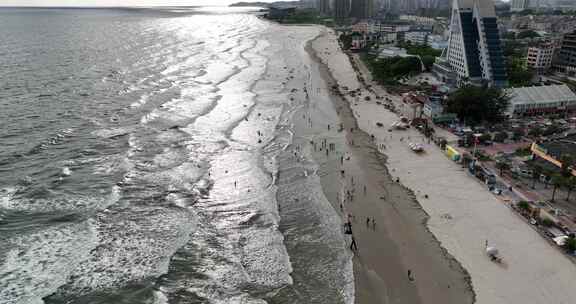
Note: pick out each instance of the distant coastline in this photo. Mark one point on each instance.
(266, 4)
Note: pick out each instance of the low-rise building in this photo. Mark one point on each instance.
(420, 20)
(416, 37)
(540, 57)
(361, 27)
(443, 71)
(386, 37)
(433, 109)
(389, 52)
(553, 151)
(359, 41)
(437, 42)
(540, 100)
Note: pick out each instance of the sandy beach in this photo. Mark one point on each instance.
(463, 215)
(399, 260)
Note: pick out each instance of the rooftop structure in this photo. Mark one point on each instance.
(553, 151)
(539, 100)
(389, 52)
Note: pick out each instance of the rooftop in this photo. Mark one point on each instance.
(541, 94)
(559, 147)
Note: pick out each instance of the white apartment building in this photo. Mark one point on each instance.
(540, 57)
(416, 37)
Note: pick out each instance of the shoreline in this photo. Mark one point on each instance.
(462, 214)
(373, 277)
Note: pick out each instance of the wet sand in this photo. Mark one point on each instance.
(399, 241)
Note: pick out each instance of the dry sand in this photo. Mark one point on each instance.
(463, 215)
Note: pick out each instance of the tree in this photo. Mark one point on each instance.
(536, 172)
(500, 137)
(535, 132)
(570, 244)
(527, 34)
(510, 35)
(502, 166)
(346, 41)
(390, 70)
(570, 184)
(518, 134)
(567, 164)
(557, 182)
(523, 205)
(477, 104)
(428, 61)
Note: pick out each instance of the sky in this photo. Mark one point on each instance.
(119, 2)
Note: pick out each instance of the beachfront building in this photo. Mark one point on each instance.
(540, 100)
(474, 50)
(539, 57)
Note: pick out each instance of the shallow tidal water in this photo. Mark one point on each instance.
(146, 157)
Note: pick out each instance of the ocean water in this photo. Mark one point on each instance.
(145, 157)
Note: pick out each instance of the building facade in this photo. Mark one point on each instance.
(341, 9)
(519, 5)
(474, 47)
(540, 57)
(323, 6)
(567, 54)
(540, 100)
(416, 37)
(362, 9)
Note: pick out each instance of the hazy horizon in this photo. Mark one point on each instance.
(118, 3)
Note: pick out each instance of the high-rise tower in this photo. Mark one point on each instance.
(341, 9)
(323, 6)
(474, 48)
(362, 9)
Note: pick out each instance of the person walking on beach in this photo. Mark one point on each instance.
(353, 245)
(410, 275)
(367, 222)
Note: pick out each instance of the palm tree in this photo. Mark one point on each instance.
(502, 166)
(570, 184)
(536, 172)
(567, 163)
(557, 181)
